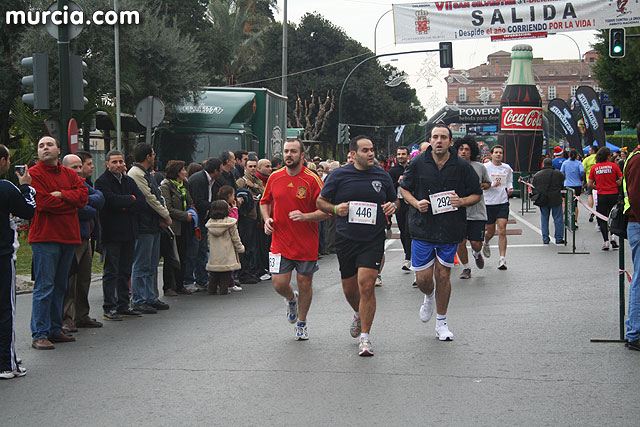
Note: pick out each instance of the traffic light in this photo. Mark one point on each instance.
(616, 42)
(39, 80)
(76, 82)
(446, 55)
(343, 133)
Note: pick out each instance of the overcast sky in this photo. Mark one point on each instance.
(358, 18)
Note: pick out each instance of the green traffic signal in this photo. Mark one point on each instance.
(616, 42)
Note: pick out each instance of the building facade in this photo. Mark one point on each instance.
(485, 83)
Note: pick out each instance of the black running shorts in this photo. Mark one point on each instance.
(353, 255)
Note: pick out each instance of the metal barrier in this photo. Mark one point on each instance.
(525, 194)
(570, 221)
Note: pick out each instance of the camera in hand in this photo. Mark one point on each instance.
(20, 169)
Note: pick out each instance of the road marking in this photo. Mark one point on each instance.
(388, 243)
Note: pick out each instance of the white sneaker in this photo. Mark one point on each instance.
(19, 372)
(292, 308)
(301, 332)
(6, 375)
(379, 280)
(442, 331)
(364, 347)
(265, 276)
(426, 309)
(406, 265)
(486, 250)
(235, 288)
(192, 288)
(502, 264)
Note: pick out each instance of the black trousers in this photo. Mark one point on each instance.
(402, 217)
(118, 258)
(172, 276)
(8, 359)
(247, 231)
(605, 203)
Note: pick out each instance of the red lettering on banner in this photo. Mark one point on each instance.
(521, 118)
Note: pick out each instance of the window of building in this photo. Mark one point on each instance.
(592, 59)
(573, 90)
(552, 72)
(462, 94)
(485, 74)
(552, 92)
(596, 87)
(574, 72)
(505, 73)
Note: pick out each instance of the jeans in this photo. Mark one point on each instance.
(116, 275)
(558, 222)
(51, 264)
(146, 256)
(197, 257)
(633, 314)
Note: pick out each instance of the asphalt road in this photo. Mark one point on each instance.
(521, 356)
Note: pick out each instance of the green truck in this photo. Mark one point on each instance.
(252, 119)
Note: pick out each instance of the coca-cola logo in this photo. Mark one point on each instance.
(521, 118)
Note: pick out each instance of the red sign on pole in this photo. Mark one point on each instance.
(73, 136)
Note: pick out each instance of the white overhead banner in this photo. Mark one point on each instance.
(508, 19)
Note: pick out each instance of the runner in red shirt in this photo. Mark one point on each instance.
(290, 215)
(605, 176)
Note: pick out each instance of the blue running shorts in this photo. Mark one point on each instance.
(423, 254)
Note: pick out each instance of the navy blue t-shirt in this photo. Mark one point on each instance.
(348, 184)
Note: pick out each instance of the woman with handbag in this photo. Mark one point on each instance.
(605, 177)
(178, 201)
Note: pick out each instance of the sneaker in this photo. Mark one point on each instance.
(111, 315)
(591, 217)
(144, 309)
(379, 280)
(426, 309)
(301, 332)
(633, 345)
(414, 285)
(265, 276)
(614, 244)
(480, 262)
(192, 287)
(364, 347)
(159, 305)
(466, 274)
(235, 288)
(19, 372)
(502, 264)
(442, 331)
(356, 327)
(605, 247)
(6, 375)
(486, 250)
(292, 308)
(127, 312)
(406, 266)
(202, 287)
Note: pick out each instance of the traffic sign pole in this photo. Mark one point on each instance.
(65, 101)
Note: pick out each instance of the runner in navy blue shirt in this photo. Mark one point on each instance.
(361, 195)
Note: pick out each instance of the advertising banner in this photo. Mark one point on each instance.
(508, 19)
(562, 112)
(592, 114)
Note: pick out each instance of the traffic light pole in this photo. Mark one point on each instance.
(65, 99)
(341, 154)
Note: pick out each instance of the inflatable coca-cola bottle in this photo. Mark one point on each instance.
(521, 112)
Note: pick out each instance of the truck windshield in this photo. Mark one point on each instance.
(193, 147)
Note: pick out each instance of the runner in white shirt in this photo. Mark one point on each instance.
(496, 198)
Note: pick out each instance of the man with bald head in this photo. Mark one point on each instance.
(53, 235)
(76, 302)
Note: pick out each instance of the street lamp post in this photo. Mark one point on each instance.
(375, 33)
(579, 53)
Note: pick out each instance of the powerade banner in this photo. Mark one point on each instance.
(469, 114)
(561, 110)
(589, 103)
(508, 19)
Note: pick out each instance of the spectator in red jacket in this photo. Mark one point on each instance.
(53, 235)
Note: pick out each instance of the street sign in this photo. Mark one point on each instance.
(73, 29)
(611, 115)
(73, 136)
(150, 111)
(53, 127)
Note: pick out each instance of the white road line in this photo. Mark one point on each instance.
(525, 222)
(388, 243)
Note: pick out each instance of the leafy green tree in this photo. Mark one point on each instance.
(620, 77)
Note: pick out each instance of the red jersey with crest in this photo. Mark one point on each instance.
(296, 240)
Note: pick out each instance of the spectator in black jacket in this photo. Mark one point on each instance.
(402, 214)
(228, 160)
(548, 183)
(19, 203)
(241, 157)
(202, 187)
(123, 200)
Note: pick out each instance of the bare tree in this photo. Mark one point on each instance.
(313, 116)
